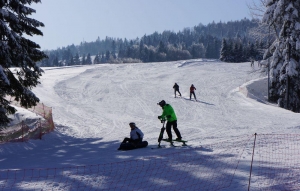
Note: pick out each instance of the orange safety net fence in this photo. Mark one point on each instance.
(23, 132)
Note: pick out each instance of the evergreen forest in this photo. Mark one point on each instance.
(230, 42)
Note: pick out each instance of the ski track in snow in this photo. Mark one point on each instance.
(103, 99)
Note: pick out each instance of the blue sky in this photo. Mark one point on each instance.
(73, 21)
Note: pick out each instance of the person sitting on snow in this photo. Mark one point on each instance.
(136, 135)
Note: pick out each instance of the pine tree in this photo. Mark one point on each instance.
(217, 48)
(209, 50)
(88, 59)
(96, 59)
(107, 55)
(252, 51)
(236, 55)
(224, 55)
(161, 47)
(103, 60)
(76, 59)
(285, 63)
(71, 61)
(55, 62)
(121, 51)
(17, 51)
(83, 61)
(197, 50)
(114, 49)
(240, 56)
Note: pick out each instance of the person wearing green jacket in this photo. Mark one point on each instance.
(169, 115)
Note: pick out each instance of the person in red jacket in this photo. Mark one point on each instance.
(192, 92)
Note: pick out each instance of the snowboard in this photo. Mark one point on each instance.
(129, 146)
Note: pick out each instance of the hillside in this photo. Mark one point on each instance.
(92, 106)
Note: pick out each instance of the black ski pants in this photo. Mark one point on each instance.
(168, 129)
(129, 140)
(192, 93)
(177, 91)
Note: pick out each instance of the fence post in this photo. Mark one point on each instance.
(40, 127)
(252, 161)
(22, 130)
(44, 110)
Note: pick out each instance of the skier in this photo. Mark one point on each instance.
(252, 63)
(136, 135)
(169, 115)
(176, 89)
(192, 92)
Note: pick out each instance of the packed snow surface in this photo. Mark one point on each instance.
(93, 105)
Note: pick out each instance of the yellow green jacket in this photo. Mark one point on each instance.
(168, 113)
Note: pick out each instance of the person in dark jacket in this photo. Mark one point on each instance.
(192, 92)
(136, 135)
(169, 115)
(176, 89)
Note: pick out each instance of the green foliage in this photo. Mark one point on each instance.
(19, 52)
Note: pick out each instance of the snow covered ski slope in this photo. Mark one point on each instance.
(92, 106)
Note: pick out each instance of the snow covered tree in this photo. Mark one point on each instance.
(161, 47)
(96, 59)
(114, 49)
(197, 50)
(76, 59)
(102, 57)
(88, 59)
(55, 62)
(283, 16)
(237, 52)
(253, 53)
(71, 61)
(83, 60)
(225, 51)
(107, 55)
(18, 52)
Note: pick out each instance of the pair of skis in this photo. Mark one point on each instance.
(187, 98)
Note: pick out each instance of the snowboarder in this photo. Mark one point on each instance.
(192, 92)
(169, 115)
(176, 89)
(136, 135)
